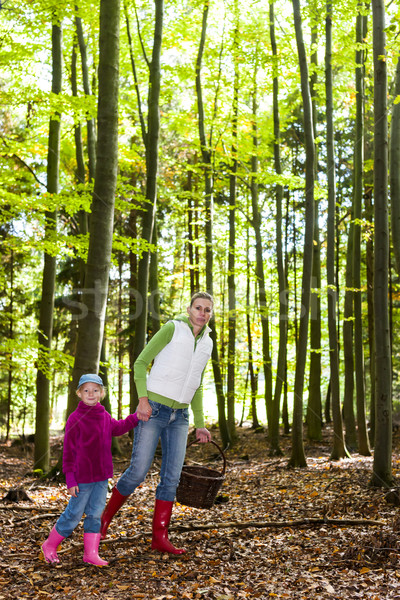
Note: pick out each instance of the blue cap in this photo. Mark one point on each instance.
(90, 378)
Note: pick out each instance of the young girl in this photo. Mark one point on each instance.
(87, 464)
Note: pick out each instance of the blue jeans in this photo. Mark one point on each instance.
(91, 501)
(171, 426)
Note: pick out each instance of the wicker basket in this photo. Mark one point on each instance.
(199, 486)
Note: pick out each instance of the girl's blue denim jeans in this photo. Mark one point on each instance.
(91, 501)
(171, 426)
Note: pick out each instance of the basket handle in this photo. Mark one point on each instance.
(220, 451)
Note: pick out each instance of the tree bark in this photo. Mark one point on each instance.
(314, 404)
(339, 449)
(42, 449)
(151, 144)
(208, 192)
(253, 373)
(10, 337)
(154, 299)
(283, 291)
(94, 297)
(298, 458)
(348, 332)
(382, 465)
(363, 442)
(395, 171)
(370, 300)
(232, 243)
(90, 121)
(260, 276)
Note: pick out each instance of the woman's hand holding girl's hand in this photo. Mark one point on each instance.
(73, 491)
(203, 435)
(143, 410)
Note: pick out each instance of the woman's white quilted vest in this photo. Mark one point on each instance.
(177, 369)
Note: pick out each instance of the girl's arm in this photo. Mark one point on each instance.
(123, 425)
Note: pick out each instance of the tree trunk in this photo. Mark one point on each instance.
(370, 300)
(262, 297)
(154, 299)
(135, 78)
(298, 458)
(232, 244)
(78, 276)
(338, 450)
(283, 291)
(119, 334)
(206, 156)
(193, 234)
(363, 442)
(10, 338)
(42, 450)
(382, 465)
(395, 171)
(252, 372)
(314, 405)
(152, 142)
(94, 298)
(348, 312)
(132, 225)
(90, 122)
(80, 162)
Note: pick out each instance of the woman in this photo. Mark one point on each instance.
(180, 351)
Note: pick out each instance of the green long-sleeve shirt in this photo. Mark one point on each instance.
(146, 357)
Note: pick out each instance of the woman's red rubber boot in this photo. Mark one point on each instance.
(161, 520)
(114, 504)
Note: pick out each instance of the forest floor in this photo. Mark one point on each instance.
(314, 533)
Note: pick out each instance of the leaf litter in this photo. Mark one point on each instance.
(319, 532)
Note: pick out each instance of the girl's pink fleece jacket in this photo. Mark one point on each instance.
(87, 443)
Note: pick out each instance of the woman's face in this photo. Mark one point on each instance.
(200, 312)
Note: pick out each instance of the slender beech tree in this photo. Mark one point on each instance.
(133, 305)
(151, 146)
(369, 251)
(80, 161)
(154, 300)
(10, 337)
(193, 232)
(348, 332)
(94, 297)
(382, 465)
(232, 240)
(363, 442)
(395, 170)
(338, 450)
(206, 154)
(253, 373)
(90, 121)
(283, 291)
(151, 136)
(78, 275)
(42, 450)
(132, 308)
(256, 221)
(298, 458)
(314, 404)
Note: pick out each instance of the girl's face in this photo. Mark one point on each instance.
(200, 313)
(90, 393)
